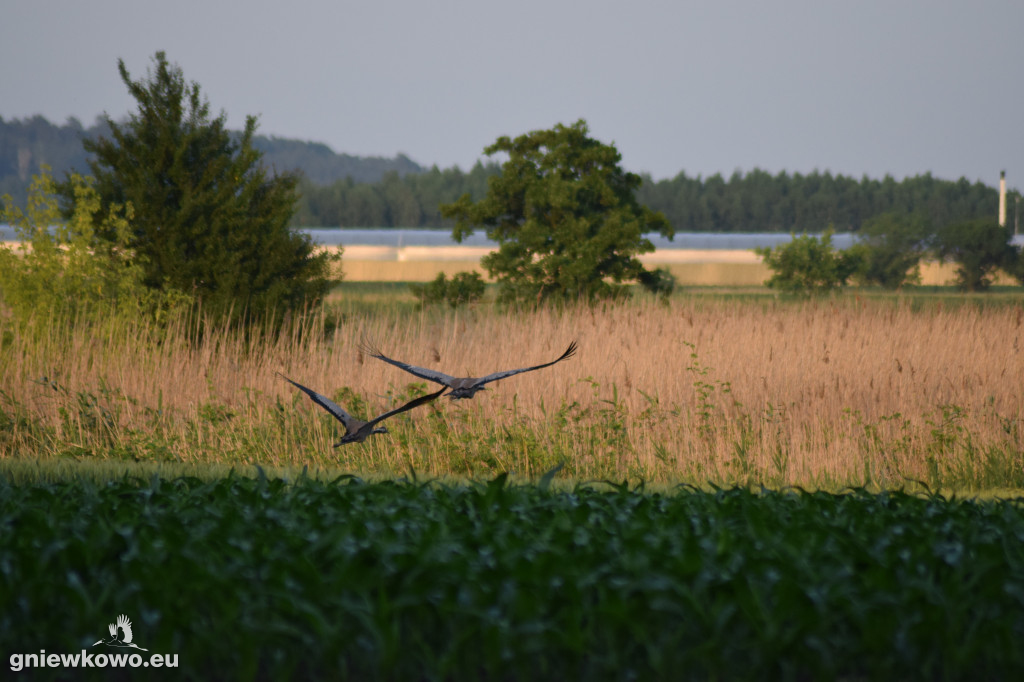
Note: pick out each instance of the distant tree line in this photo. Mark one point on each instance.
(338, 190)
(411, 200)
(321, 165)
(28, 145)
(761, 202)
(753, 202)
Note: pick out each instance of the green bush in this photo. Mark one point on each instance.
(807, 265)
(979, 248)
(890, 250)
(75, 268)
(462, 288)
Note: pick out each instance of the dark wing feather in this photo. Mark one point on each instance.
(569, 352)
(408, 406)
(421, 372)
(323, 401)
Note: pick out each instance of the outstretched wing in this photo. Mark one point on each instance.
(126, 627)
(421, 372)
(569, 352)
(408, 406)
(323, 401)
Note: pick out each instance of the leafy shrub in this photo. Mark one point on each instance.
(890, 251)
(463, 287)
(979, 248)
(71, 268)
(807, 265)
(1015, 266)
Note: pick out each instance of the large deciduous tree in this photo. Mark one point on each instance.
(566, 219)
(208, 218)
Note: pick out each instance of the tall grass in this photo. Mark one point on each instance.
(827, 393)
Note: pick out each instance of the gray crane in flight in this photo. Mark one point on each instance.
(357, 430)
(462, 387)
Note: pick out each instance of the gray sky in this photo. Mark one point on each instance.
(870, 87)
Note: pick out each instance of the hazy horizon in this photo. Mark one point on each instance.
(873, 88)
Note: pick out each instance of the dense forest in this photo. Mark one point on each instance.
(339, 190)
(411, 200)
(761, 202)
(753, 202)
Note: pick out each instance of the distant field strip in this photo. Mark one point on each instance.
(707, 267)
(691, 267)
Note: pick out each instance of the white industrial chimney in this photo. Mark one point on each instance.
(1002, 198)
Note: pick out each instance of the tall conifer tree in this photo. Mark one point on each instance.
(209, 220)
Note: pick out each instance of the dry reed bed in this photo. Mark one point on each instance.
(827, 392)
